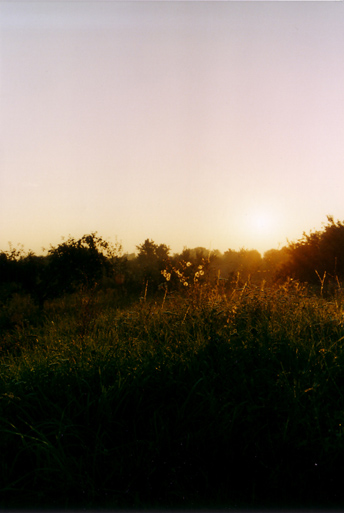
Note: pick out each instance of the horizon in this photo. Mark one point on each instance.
(114, 240)
(64, 239)
(198, 124)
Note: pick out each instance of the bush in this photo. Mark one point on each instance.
(79, 263)
(20, 310)
(318, 257)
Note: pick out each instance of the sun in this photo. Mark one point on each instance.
(261, 222)
(260, 225)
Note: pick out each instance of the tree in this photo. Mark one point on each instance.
(272, 262)
(151, 260)
(317, 255)
(82, 262)
(21, 273)
(246, 262)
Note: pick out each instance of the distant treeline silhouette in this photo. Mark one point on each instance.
(317, 258)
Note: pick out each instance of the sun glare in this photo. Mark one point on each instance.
(261, 222)
(261, 228)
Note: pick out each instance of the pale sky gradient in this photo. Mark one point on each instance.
(185, 122)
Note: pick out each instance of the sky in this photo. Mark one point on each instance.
(213, 124)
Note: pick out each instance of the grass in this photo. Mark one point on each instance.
(210, 400)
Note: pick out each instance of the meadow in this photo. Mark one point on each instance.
(213, 396)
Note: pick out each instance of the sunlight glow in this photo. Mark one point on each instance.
(262, 227)
(181, 122)
(261, 222)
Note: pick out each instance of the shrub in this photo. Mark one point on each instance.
(79, 263)
(317, 256)
(19, 310)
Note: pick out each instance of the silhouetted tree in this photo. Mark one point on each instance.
(8, 275)
(151, 260)
(82, 262)
(20, 273)
(317, 255)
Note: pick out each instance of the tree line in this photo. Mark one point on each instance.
(89, 262)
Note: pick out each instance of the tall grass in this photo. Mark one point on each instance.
(207, 399)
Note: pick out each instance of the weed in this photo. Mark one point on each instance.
(209, 396)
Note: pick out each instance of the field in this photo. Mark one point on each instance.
(208, 399)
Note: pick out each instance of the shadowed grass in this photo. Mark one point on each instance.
(217, 401)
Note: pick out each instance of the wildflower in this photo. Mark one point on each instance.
(188, 264)
(200, 267)
(166, 275)
(185, 284)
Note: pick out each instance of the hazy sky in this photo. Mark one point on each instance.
(215, 124)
